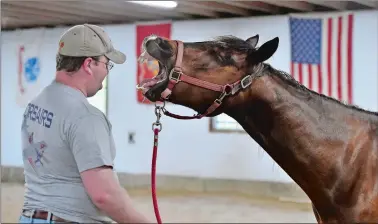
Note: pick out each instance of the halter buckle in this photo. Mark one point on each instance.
(175, 72)
(246, 81)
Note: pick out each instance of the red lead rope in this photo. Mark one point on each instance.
(157, 129)
(153, 175)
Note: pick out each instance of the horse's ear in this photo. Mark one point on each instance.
(253, 40)
(266, 51)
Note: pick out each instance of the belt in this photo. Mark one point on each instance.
(40, 214)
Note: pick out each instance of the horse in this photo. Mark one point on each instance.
(329, 148)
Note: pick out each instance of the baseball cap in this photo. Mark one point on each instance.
(89, 40)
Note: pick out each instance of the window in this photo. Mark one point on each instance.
(224, 123)
(100, 99)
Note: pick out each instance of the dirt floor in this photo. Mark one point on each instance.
(176, 207)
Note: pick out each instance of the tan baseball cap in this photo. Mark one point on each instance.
(89, 40)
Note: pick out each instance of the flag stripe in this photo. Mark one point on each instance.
(349, 64)
(324, 61)
(334, 59)
(339, 52)
(292, 69)
(329, 56)
(305, 74)
(310, 76)
(315, 80)
(344, 61)
(320, 79)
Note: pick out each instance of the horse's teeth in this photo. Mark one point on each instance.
(142, 57)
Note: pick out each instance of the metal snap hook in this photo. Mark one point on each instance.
(157, 125)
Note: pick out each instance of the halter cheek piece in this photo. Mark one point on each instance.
(176, 75)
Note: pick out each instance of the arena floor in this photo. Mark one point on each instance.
(176, 207)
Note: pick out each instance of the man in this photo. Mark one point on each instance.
(68, 147)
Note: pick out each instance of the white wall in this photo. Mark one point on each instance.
(189, 150)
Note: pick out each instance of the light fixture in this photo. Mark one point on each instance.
(160, 4)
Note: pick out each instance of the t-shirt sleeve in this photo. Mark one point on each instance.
(90, 141)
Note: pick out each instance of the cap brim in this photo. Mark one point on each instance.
(116, 56)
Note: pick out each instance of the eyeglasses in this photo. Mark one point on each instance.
(108, 64)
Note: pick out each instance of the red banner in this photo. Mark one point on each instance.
(149, 68)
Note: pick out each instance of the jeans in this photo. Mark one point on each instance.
(24, 219)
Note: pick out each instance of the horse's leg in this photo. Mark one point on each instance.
(316, 214)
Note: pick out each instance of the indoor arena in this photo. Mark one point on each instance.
(199, 111)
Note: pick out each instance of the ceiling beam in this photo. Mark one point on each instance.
(216, 6)
(113, 9)
(253, 5)
(196, 11)
(12, 23)
(338, 5)
(39, 12)
(84, 9)
(372, 4)
(297, 5)
(8, 20)
(16, 15)
(35, 6)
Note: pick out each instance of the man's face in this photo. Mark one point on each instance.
(100, 69)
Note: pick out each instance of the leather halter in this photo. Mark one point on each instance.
(176, 75)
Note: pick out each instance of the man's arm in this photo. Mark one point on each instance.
(90, 140)
(110, 197)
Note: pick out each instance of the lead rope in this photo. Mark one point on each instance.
(156, 127)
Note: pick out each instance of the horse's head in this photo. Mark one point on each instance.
(203, 68)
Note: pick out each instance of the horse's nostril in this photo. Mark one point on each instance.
(148, 43)
(153, 44)
(158, 41)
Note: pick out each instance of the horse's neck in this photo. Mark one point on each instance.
(302, 138)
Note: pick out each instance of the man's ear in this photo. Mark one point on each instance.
(86, 66)
(253, 41)
(264, 52)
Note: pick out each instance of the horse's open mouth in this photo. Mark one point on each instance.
(153, 87)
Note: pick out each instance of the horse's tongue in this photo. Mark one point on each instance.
(146, 83)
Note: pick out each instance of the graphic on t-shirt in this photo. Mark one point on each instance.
(33, 151)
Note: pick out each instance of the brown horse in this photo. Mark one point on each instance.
(328, 148)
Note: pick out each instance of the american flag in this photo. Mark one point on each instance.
(321, 53)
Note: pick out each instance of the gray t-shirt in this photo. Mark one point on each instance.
(63, 135)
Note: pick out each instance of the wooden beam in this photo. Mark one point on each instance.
(39, 12)
(16, 15)
(372, 4)
(109, 7)
(254, 5)
(14, 23)
(88, 10)
(216, 6)
(297, 5)
(196, 11)
(338, 5)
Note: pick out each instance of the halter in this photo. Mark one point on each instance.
(176, 75)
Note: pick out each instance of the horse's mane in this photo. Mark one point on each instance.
(231, 42)
(289, 79)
